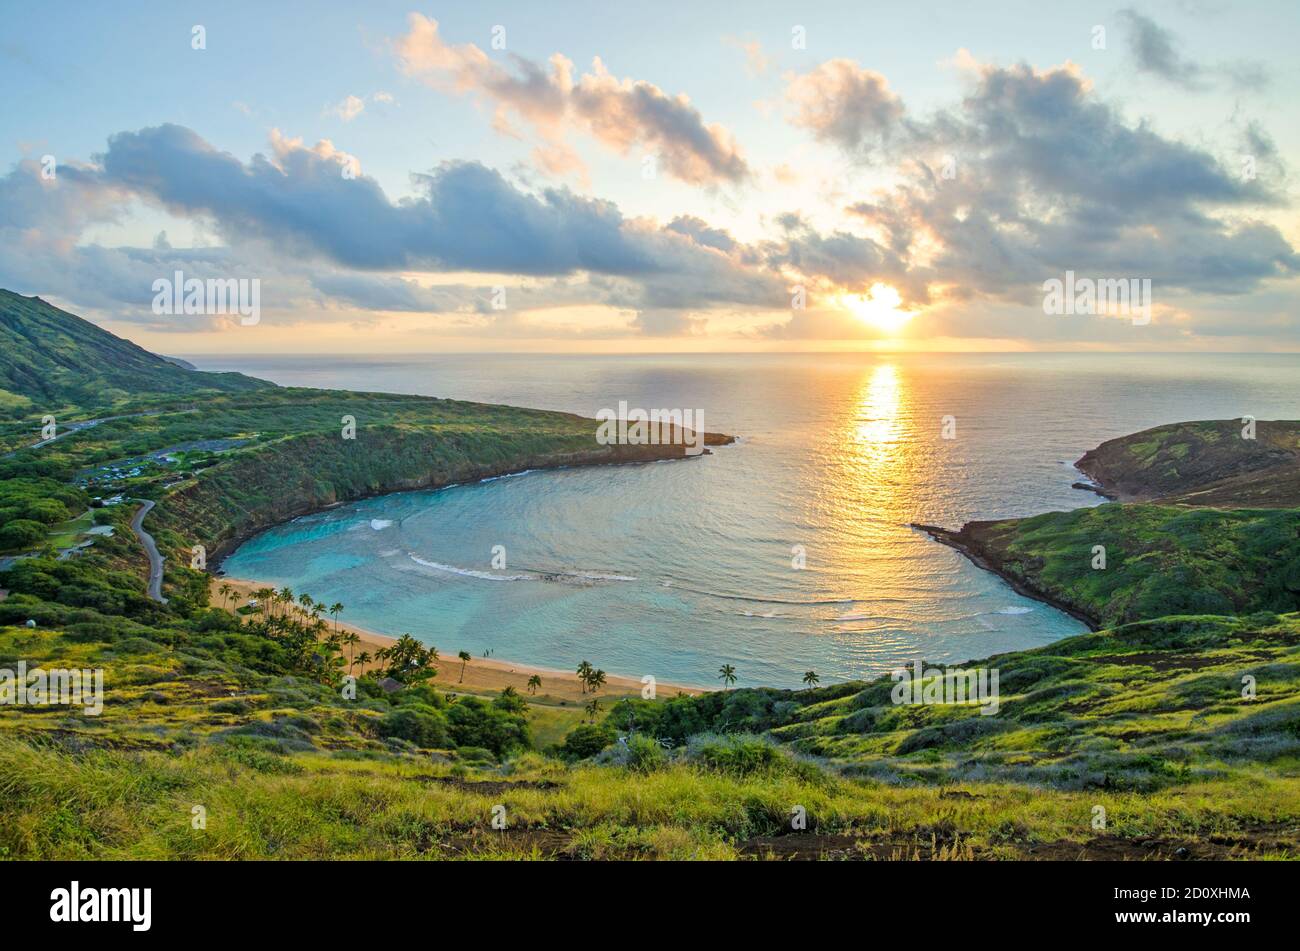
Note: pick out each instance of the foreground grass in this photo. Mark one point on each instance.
(1143, 725)
(115, 805)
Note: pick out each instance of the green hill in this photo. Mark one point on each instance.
(51, 360)
(1219, 463)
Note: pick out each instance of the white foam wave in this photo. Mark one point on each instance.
(467, 572)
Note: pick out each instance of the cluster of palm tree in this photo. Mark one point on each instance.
(592, 678)
(408, 661)
(297, 620)
(297, 623)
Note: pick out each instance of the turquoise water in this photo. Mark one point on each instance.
(673, 569)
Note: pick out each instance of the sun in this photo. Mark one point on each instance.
(879, 307)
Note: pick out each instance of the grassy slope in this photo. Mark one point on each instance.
(1160, 559)
(52, 361)
(1202, 463)
(1146, 722)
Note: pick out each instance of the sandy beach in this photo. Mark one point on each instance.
(482, 675)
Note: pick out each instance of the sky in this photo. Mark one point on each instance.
(598, 177)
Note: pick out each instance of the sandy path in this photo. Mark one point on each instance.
(482, 674)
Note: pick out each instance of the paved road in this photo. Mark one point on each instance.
(151, 549)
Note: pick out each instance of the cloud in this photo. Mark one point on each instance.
(1154, 50)
(620, 114)
(757, 62)
(297, 215)
(843, 103)
(349, 108)
(666, 323)
(51, 202)
(1044, 177)
(1028, 174)
(701, 233)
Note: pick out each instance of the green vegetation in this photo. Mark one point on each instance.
(1181, 720)
(55, 362)
(1225, 463)
(1159, 559)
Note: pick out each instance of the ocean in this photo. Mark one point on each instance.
(786, 552)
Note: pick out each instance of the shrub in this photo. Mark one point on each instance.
(474, 722)
(417, 723)
(638, 753)
(738, 755)
(587, 740)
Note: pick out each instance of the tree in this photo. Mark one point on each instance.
(584, 671)
(510, 701)
(364, 658)
(286, 594)
(407, 660)
(533, 683)
(225, 591)
(727, 674)
(464, 659)
(20, 534)
(596, 679)
(335, 610)
(810, 678)
(351, 638)
(593, 708)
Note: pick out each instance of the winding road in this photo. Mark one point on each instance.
(151, 549)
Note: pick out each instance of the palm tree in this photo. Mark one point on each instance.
(596, 680)
(533, 683)
(727, 674)
(351, 638)
(306, 601)
(584, 671)
(464, 659)
(286, 594)
(225, 590)
(593, 708)
(810, 678)
(335, 610)
(364, 658)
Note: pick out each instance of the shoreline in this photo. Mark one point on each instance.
(482, 674)
(225, 547)
(958, 541)
(963, 543)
